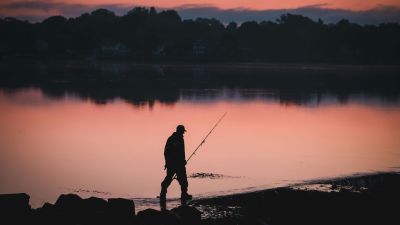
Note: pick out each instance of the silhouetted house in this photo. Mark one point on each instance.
(3, 49)
(246, 52)
(158, 69)
(117, 49)
(199, 48)
(70, 51)
(41, 46)
(159, 51)
(165, 49)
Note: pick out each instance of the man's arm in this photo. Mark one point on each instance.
(167, 152)
(183, 152)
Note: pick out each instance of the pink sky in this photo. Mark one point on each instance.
(359, 11)
(262, 4)
(227, 4)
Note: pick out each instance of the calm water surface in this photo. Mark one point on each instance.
(50, 146)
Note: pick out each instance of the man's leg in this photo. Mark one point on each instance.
(164, 187)
(183, 182)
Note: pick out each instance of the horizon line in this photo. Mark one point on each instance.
(379, 14)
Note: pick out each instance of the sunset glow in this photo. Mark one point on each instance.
(229, 4)
(199, 111)
(56, 7)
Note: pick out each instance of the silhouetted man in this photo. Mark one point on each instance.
(175, 163)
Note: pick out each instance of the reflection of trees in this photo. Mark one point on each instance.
(167, 83)
(102, 95)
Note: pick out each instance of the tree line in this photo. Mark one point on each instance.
(145, 34)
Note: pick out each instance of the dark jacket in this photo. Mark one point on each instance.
(174, 151)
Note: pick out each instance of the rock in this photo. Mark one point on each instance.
(47, 208)
(72, 209)
(69, 209)
(47, 214)
(121, 211)
(14, 203)
(155, 217)
(69, 202)
(95, 205)
(15, 209)
(120, 206)
(187, 214)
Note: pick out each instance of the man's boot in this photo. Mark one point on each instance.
(185, 196)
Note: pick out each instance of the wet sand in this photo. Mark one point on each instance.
(358, 199)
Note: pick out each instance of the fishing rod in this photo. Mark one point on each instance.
(204, 140)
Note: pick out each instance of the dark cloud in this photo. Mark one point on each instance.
(43, 5)
(40, 9)
(374, 16)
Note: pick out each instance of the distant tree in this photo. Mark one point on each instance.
(231, 26)
(291, 38)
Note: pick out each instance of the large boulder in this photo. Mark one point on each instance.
(155, 217)
(14, 208)
(47, 209)
(72, 209)
(68, 209)
(187, 214)
(74, 203)
(14, 203)
(121, 211)
(95, 205)
(120, 206)
(48, 214)
(69, 202)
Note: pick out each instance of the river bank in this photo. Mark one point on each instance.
(361, 199)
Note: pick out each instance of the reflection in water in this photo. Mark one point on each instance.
(146, 84)
(50, 146)
(210, 176)
(208, 96)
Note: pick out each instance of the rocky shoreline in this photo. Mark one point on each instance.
(363, 199)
